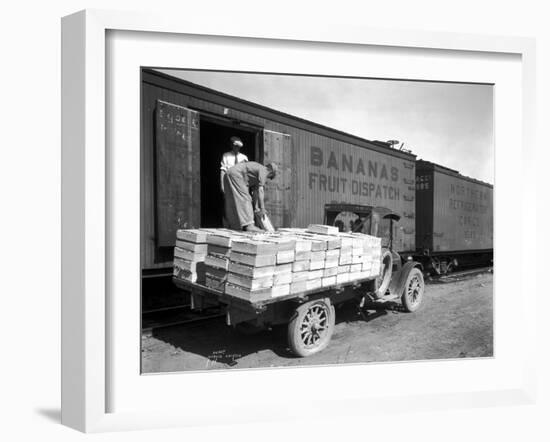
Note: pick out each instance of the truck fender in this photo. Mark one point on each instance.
(399, 278)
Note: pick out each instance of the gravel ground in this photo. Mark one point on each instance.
(454, 321)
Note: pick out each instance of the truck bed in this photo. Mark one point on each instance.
(197, 288)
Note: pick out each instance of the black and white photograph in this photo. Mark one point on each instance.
(296, 220)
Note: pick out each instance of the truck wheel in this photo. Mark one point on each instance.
(311, 328)
(413, 291)
(384, 279)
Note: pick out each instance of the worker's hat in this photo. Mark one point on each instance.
(236, 141)
(273, 166)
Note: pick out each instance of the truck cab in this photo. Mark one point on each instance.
(371, 220)
(399, 273)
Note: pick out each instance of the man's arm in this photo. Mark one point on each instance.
(222, 174)
(224, 165)
(255, 199)
(260, 197)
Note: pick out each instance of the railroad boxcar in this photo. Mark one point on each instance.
(454, 218)
(185, 131)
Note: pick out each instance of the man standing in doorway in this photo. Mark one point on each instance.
(234, 156)
(239, 181)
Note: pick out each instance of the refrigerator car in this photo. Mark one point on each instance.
(454, 219)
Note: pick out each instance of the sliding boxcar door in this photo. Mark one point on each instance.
(177, 171)
(278, 192)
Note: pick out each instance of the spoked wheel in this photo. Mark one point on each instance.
(414, 291)
(311, 328)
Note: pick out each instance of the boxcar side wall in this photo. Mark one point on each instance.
(326, 171)
(462, 214)
(331, 171)
(424, 205)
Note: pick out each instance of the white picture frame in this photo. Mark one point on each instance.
(87, 203)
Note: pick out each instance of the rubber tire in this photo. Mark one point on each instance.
(294, 340)
(386, 269)
(405, 301)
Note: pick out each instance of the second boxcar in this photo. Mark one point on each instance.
(454, 218)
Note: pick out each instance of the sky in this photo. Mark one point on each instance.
(446, 123)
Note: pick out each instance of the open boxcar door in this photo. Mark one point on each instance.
(279, 192)
(177, 170)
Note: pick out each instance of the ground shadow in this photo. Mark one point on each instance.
(350, 312)
(217, 342)
(51, 414)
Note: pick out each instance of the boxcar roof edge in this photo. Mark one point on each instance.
(428, 165)
(185, 87)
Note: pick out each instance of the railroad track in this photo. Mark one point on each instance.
(456, 276)
(177, 315)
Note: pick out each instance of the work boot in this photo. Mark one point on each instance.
(252, 228)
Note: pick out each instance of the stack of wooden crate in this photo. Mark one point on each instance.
(267, 265)
(189, 255)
